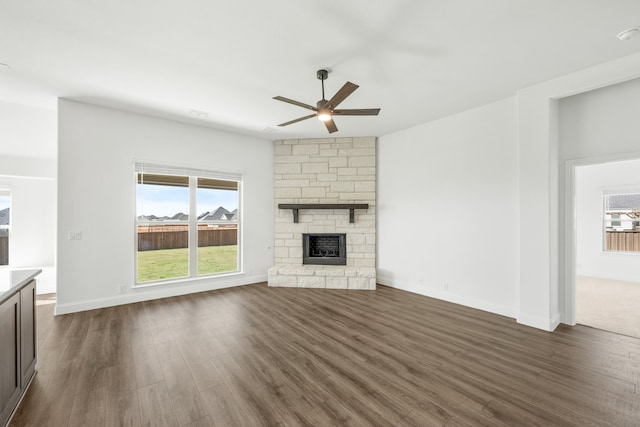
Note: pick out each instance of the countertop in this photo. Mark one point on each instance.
(11, 281)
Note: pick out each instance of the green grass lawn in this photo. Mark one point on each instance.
(174, 263)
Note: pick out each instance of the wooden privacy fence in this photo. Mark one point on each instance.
(218, 237)
(626, 241)
(152, 238)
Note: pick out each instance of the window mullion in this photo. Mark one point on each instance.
(193, 226)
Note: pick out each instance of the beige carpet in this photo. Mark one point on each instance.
(611, 305)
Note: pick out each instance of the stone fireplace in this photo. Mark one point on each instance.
(325, 187)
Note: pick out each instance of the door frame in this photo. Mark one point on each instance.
(571, 235)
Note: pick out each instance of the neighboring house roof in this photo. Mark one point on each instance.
(180, 217)
(622, 201)
(4, 216)
(220, 214)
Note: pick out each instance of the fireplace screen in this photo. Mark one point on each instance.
(324, 249)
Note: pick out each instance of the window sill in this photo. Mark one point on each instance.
(186, 280)
(609, 252)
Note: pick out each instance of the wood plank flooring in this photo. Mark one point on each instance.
(259, 356)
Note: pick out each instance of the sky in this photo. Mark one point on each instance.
(164, 200)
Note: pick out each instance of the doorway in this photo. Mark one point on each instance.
(606, 256)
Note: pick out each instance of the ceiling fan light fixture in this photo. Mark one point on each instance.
(324, 115)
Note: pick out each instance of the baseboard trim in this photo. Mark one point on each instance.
(451, 297)
(546, 324)
(151, 293)
(618, 277)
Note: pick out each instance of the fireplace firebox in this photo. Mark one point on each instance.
(324, 249)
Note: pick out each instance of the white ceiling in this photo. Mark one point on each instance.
(418, 60)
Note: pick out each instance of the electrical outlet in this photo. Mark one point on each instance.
(421, 282)
(74, 235)
(446, 286)
(123, 289)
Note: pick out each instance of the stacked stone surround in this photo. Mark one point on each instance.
(332, 170)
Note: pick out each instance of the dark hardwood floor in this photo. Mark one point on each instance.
(255, 355)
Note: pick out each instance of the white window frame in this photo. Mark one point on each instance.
(609, 220)
(193, 174)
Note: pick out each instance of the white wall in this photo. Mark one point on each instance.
(27, 131)
(96, 197)
(448, 208)
(32, 227)
(542, 288)
(545, 291)
(592, 260)
(600, 122)
(27, 168)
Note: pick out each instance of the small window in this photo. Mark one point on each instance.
(5, 224)
(622, 222)
(187, 223)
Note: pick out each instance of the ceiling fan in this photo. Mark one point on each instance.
(325, 110)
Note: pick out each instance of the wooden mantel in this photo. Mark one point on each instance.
(295, 207)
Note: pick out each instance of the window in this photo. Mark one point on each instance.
(622, 221)
(5, 223)
(187, 223)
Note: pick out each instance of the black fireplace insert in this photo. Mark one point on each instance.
(324, 249)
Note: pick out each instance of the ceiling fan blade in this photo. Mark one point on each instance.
(331, 126)
(299, 104)
(357, 112)
(341, 95)
(297, 120)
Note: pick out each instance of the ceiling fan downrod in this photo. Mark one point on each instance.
(322, 76)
